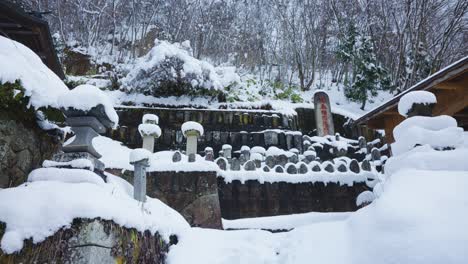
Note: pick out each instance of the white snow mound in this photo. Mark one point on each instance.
(416, 97)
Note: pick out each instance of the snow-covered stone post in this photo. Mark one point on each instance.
(323, 115)
(149, 131)
(192, 130)
(139, 158)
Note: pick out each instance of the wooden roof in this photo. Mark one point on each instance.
(32, 32)
(450, 85)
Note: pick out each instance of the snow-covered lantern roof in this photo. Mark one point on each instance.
(417, 103)
(150, 119)
(149, 126)
(151, 130)
(192, 128)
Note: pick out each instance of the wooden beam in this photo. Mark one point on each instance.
(21, 32)
(9, 25)
(450, 102)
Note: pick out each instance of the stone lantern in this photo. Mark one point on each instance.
(149, 131)
(86, 125)
(192, 130)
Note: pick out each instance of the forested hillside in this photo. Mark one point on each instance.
(365, 46)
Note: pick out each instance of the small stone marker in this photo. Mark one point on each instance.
(309, 156)
(245, 151)
(282, 160)
(227, 151)
(329, 167)
(293, 158)
(209, 155)
(362, 143)
(342, 168)
(250, 166)
(266, 169)
(291, 168)
(297, 139)
(316, 167)
(271, 138)
(375, 154)
(235, 164)
(279, 169)
(365, 165)
(176, 157)
(303, 169)
(222, 163)
(323, 115)
(270, 161)
(354, 166)
(191, 157)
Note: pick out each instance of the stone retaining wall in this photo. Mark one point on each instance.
(234, 127)
(255, 199)
(23, 147)
(193, 194)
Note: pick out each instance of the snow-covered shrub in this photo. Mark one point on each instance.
(170, 69)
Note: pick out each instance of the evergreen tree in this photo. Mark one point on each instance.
(367, 74)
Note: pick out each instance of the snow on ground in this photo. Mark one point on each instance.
(50, 201)
(284, 222)
(117, 156)
(416, 220)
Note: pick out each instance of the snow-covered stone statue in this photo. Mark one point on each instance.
(149, 131)
(192, 130)
(139, 158)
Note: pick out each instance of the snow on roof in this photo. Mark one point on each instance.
(416, 97)
(192, 125)
(54, 197)
(84, 97)
(41, 85)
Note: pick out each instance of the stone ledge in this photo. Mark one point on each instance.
(92, 241)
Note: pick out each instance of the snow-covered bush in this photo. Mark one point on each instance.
(170, 69)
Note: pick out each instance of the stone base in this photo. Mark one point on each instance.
(65, 157)
(92, 241)
(193, 194)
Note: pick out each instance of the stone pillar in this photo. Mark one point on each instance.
(192, 143)
(139, 184)
(139, 158)
(323, 115)
(192, 130)
(149, 130)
